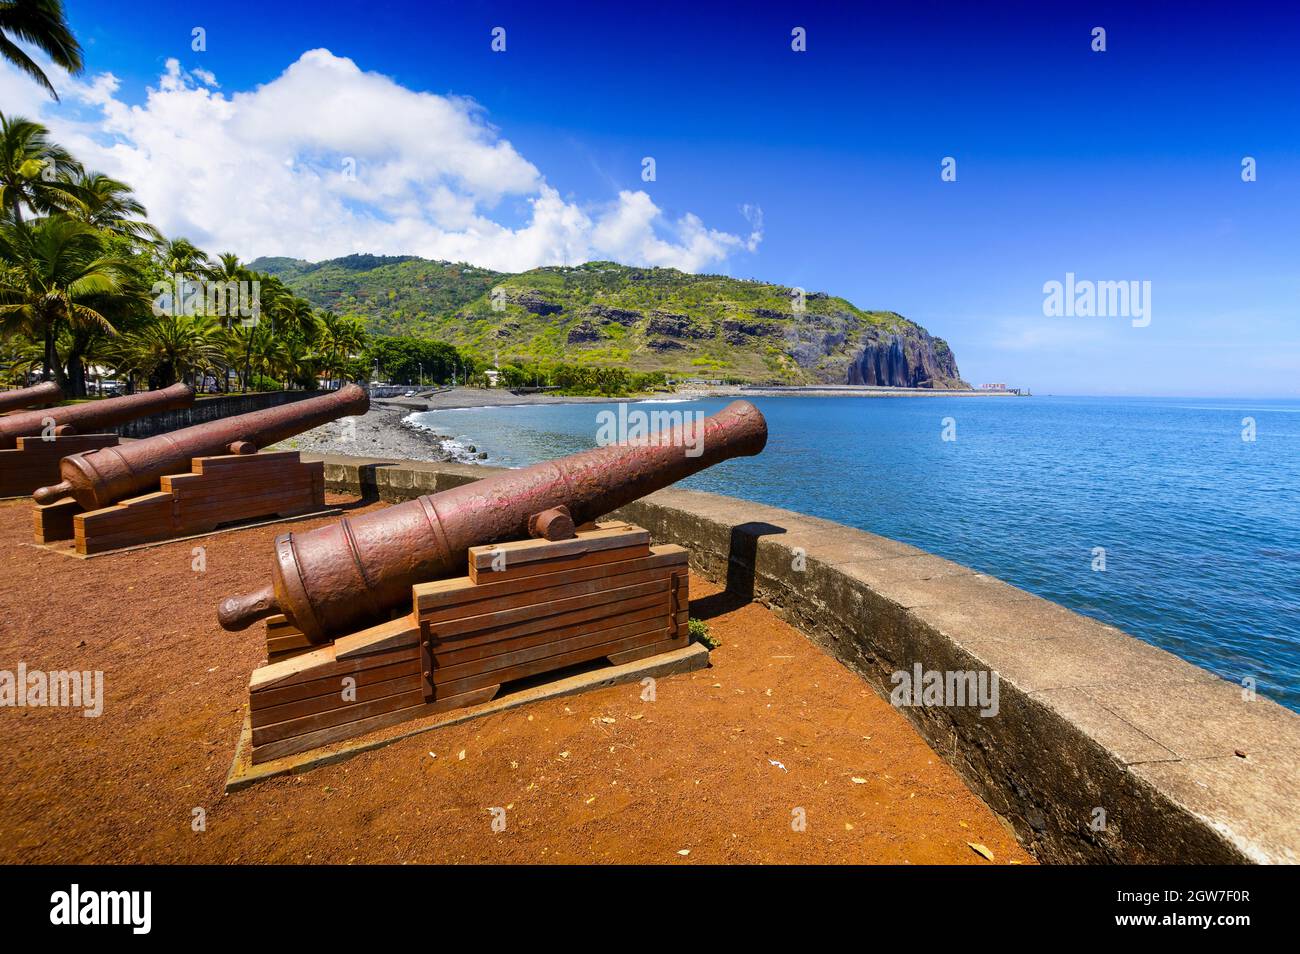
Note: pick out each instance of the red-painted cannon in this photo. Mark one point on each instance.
(330, 580)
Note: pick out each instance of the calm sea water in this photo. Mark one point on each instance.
(1201, 528)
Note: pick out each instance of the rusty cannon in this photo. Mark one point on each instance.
(329, 580)
(92, 416)
(38, 395)
(102, 477)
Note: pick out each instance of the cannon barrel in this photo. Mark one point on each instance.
(92, 416)
(101, 477)
(331, 579)
(38, 395)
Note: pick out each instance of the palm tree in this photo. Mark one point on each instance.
(228, 269)
(28, 163)
(58, 265)
(180, 256)
(331, 344)
(299, 363)
(107, 203)
(173, 348)
(300, 320)
(268, 355)
(42, 24)
(276, 299)
(352, 341)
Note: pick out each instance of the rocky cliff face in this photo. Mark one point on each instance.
(908, 358)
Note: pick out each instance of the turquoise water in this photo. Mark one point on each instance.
(1201, 528)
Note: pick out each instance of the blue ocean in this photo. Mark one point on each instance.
(1195, 502)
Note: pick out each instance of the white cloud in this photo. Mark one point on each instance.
(327, 159)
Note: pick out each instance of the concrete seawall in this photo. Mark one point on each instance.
(1103, 748)
(208, 409)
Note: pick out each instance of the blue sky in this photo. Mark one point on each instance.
(1115, 166)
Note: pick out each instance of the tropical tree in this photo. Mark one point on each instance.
(30, 167)
(107, 203)
(180, 256)
(42, 24)
(299, 363)
(58, 267)
(173, 348)
(341, 338)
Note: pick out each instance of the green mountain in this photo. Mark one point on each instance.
(645, 319)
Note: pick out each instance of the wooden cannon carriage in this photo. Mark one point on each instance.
(605, 594)
(447, 600)
(189, 482)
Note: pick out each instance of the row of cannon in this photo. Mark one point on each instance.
(353, 572)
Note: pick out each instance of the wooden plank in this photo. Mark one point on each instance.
(429, 597)
(578, 560)
(315, 739)
(369, 692)
(288, 644)
(330, 685)
(339, 716)
(651, 649)
(319, 664)
(453, 652)
(561, 587)
(393, 634)
(544, 649)
(220, 463)
(519, 552)
(550, 663)
(589, 595)
(282, 635)
(544, 621)
(61, 445)
(265, 485)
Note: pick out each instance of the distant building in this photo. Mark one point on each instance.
(493, 377)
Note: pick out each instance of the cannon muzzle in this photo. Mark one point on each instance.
(93, 416)
(330, 580)
(101, 477)
(38, 395)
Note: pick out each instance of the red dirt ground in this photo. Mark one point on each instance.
(600, 777)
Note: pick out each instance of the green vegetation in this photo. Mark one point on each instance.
(598, 315)
(699, 633)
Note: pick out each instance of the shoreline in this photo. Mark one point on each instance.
(384, 430)
(380, 432)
